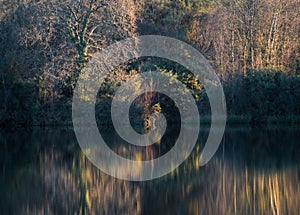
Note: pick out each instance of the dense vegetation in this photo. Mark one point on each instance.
(253, 45)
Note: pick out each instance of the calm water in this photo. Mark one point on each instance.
(256, 171)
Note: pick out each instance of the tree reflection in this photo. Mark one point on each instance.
(251, 174)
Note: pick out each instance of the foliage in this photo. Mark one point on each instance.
(254, 46)
(260, 94)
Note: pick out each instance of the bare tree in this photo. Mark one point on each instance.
(69, 33)
(249, 34)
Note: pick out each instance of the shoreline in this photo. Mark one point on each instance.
(231, 120)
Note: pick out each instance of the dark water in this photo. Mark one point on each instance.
(256, 171)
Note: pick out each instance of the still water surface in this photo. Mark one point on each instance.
(255, 171)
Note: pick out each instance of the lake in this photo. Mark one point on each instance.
(255, 171)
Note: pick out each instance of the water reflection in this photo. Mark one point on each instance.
(256, 171)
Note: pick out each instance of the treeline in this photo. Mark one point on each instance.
(254, 46)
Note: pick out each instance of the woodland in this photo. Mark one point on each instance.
(253, 45)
